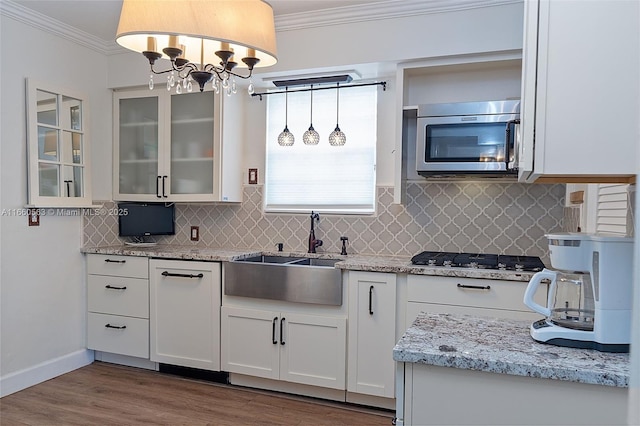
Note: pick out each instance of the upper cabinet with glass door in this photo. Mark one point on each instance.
(168, 147)
(58, 147)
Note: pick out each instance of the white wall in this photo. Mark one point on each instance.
(42, 292)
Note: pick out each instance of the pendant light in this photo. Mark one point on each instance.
(311, 137)
(337, 137)
(285, 138)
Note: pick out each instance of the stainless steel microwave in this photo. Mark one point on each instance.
(468, 138)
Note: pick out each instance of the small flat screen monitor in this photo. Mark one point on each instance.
(146, 219)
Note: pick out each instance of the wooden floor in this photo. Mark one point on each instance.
(107, 394)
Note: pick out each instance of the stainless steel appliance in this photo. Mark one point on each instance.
(468, 138)
(589, 299)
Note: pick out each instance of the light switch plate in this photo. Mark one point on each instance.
(253, 176)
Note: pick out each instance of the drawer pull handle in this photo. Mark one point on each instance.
(476, 287)
(281, 332)
(370, 300)
(115, 261)
(171, 274)
(117, 327)
(112, 287)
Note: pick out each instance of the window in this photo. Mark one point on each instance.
(58, 148)
(323, 178)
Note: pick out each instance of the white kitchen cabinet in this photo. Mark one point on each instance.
(58, 143)
(580, 110)
(185, 313)
(281, 345)
(470, 296)
(434, 395)
(372, 333)
(118, 305)
(181, 148)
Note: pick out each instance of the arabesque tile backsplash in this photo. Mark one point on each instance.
(506, 218)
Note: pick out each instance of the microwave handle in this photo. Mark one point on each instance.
(512, 164)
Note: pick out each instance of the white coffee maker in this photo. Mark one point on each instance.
(590, 293)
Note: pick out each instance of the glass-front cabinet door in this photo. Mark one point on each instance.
(58, 147)
(137, 143)
(193, 132)
(166, 146)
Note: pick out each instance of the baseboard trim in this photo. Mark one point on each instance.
(19, 380)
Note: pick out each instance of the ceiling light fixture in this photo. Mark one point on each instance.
(337, 137)
(286, 138)
(311, 137)
(201, 38)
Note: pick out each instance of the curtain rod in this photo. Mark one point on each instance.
(378, 83)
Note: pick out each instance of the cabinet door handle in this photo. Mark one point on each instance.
(511, 152)
(115, 261)
(273, 331)
(370, 300)
(164, 182)
(158, 187)
(171, 274)
(109, 286)
(117, 327)
(475, 287)
(281, 330)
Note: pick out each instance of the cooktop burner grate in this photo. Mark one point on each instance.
(478, 260)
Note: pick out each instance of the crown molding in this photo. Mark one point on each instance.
(42, 22)
(387, 9)
(378, 11)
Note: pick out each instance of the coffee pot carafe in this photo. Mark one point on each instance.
(589, 293)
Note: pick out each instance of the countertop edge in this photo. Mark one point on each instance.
(366, 263)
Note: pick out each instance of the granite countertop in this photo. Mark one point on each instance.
(373, 263)
(504, 346)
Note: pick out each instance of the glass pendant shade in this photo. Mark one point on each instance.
(311, 137)
(286, 138)
(337, 137)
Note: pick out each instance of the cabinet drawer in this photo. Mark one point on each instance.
(132, 339)
(451, 291)
(118, 295)
(118, 266)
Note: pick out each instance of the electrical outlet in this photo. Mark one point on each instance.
(195, 233)
(34, 217)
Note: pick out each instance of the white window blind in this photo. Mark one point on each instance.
(614, 210)
(322, 177)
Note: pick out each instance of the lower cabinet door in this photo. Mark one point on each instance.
(250, 342)
(313, 350)
(372, 333)
(184, 312)
(118, 334)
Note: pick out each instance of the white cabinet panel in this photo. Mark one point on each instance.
(118, 334)
(372, 325)
(185, 313)
(249, 342)
(118, 295)
(313, 350)
(281, 345)
(580, 109)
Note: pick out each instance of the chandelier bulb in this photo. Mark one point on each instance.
(151, 82)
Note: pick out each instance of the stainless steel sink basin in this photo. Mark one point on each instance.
(290, 279)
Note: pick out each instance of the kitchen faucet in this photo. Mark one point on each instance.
(313, 243)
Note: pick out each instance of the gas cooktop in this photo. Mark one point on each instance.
(479, 261)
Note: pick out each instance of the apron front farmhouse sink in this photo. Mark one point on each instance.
(289, 279)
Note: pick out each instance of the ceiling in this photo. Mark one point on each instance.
(100, 17)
